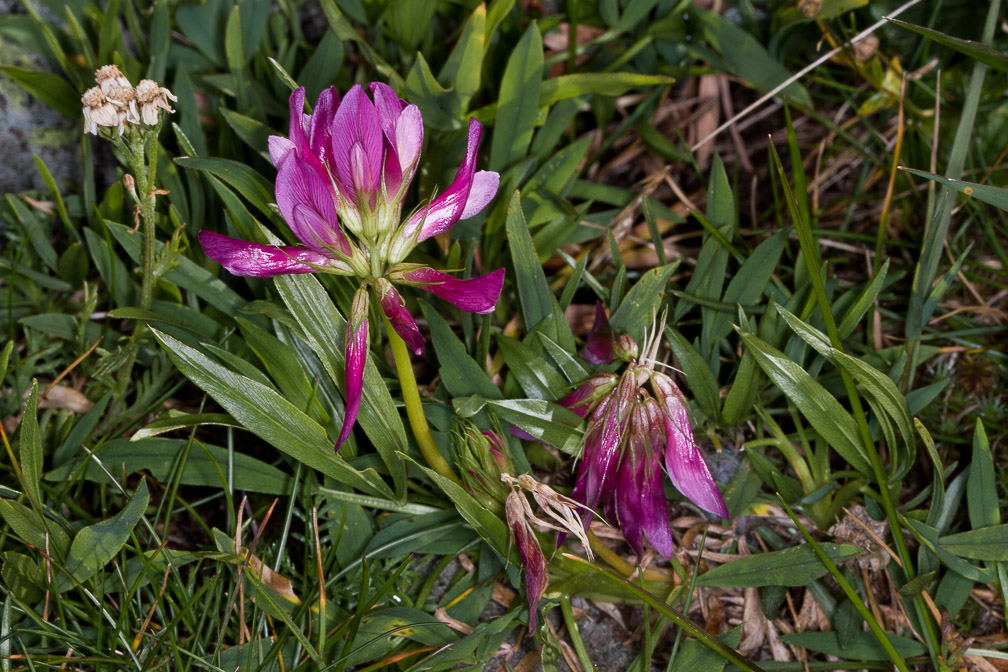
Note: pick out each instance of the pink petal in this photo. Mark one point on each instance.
(241, 257)
(409, 139)
(320, 127)
(296, 133)
(653, 505)
(401, 320)
(356, 356)
(447, 208)
(299, 186)
(683, 461)
(588, 393)
(389, 107)
(475, 295)
(279, 148)
(484, 188)
(629, 474)
(356, 123)
(599, 344)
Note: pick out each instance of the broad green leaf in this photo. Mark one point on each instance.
(638, 310)
(269, 416)
(864, 646)
(544, 420)
(317, 73)
(347, 33)
(742, 393)
(465, 63)
(173, 420)
(250, 184)
(878, 385)
(987, 543)
(30, 449)
(996, 196)
(96, 545)
(976, 51)
(749, 282)
(48, 88)
(819, 407)
(518, 101)
(981, 489)
(533, 291)
(205, 465)
(325, 330)
(408, 22)
(187, 274)
(564, 87)
(486, 523)
(571, 368)
(461, 375)
(537, 378)
(33, 529)
(438, 104)
(795, 566)
(254, 133)
(928, 536)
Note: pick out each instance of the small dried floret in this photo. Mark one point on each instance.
(125, 101)
(98, 111)
(109, 77)
(152, 98)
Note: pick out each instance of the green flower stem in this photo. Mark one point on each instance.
(613, 559)
(810, 253)
(414, 409)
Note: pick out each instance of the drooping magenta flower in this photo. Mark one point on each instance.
(342, 176)
(631, 433)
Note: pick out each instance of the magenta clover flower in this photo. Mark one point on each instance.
(342, 176)
(629, 430)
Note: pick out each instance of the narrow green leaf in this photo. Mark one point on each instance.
(533, 291)
(996, 196)
(819, 407)
(325, 330)
(749, 283)
(976, 51)
(544, 420)
(518, 101)
(864, 646)
(255, 133)
(96, 545)
(250, 184)
(33, 529)
(981, 489)
(795, 566)
(864, 301)
(702, 382)
(461, 375)
(986, 543)
(30, 450)
(174, 420)
(638, 310)
(537, 378)
(464, 66)
(47, 88)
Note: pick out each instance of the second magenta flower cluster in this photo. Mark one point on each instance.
(343, 173)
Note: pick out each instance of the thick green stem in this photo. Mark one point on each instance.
(414, 408)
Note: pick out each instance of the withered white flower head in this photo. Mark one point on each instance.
(98, 111)
(125, 101)
(153, 97)
(110, 76)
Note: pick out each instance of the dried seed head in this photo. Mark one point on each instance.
(98, 111)
(153, 98)
(110, 76)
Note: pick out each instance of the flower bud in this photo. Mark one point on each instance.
(482, 457)
(625, 347)
(533, 560)
(588, 394)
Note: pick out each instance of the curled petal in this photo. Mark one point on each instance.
(241, 257)
(447, 208)
(533, 560)
(599, 344)
(401, 320)
(476, 295)
(356, 356)
(409, 139)
(296, 132)
(388, 105)
(484, 188)
(320, 126)
(279, 148)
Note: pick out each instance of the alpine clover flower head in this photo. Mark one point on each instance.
(482, 457)
(342, 176)
(631, 431)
